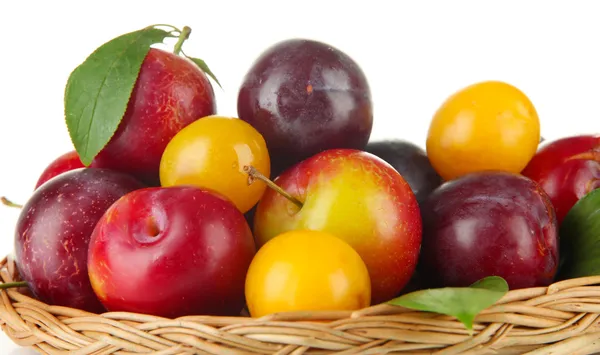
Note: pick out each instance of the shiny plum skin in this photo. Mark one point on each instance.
(361, 199)
(170, 93)
(411, 162)
(66, 162)
(569, 182)
(305, 97)
(486, 224)
(171, 252)
(53, 232)
(567, 169)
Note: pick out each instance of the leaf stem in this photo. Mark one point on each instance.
(185, 34)
(5, 286)
(255, 174)
(9, 203)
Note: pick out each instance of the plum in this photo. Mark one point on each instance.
(54, 229)
(567, 169)
(411, 162)
(489, 224)
(305, 97)
(358, 197)
(191, 242)
(65, 162)
(170, 93)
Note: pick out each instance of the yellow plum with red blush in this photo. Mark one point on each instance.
(357, 197)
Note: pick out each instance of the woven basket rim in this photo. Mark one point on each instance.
(563, 318)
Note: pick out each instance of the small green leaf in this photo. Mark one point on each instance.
(492, 283)
(464, 303)
(98, 90)
(580, 238)
(202, 65)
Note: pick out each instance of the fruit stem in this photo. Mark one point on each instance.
(9, 203)
(185, 34)
(255, 174)
(13, 285)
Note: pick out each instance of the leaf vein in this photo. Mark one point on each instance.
(95, 101)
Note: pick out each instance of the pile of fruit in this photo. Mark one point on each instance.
(166, 208)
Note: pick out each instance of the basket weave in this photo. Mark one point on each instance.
(560, 319)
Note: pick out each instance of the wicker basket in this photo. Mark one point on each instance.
(560, 319)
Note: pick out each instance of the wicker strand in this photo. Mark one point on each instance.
(561, 319)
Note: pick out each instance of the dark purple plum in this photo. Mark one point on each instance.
(305, 97)
(54, 229)
(411, 162)
(489, 224)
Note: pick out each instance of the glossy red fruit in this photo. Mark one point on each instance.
(304, 97)
(489, 224)
(357, 197)
(66, 162)
(567, 169)
(170, 93)
(171, 252)
(54, 229)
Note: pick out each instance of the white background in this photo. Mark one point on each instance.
(414, 54)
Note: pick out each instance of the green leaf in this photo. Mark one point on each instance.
(492, 283)
(98, 90)
(464, 303)
(202, 65)
(580, 238)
